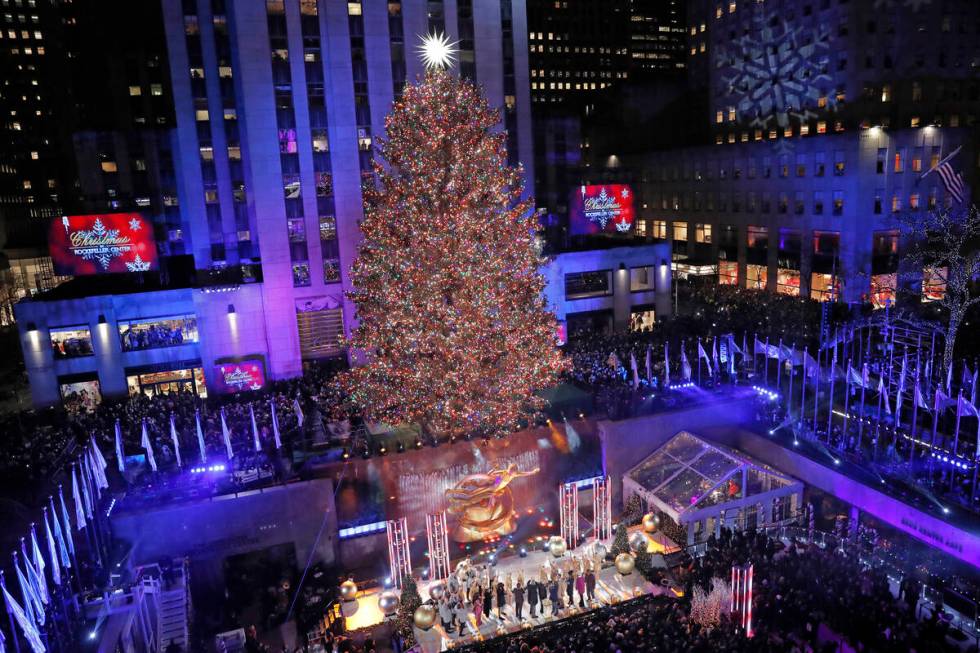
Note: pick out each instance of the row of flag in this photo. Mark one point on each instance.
(147, 444)
(38, 564)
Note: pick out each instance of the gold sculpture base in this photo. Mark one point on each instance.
(484, 504)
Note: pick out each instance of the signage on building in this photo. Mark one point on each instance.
(606, 208)
(242, 375)
(102, 243)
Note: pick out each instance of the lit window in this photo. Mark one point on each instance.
(207, 153)
(108, 166)
(135, 90)
(702, 233)
(201, 115)
(34, 155)
(156, 89)
(680, 231)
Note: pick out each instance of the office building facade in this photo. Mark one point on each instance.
(825, 118)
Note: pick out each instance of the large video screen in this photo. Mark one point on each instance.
(607, 208)
(102, 243)
(240, 376)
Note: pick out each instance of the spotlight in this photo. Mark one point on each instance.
(401, 447)
(771, 431)
(92, 635)
(418, 443)
(346, 454)
(837, 461)
(383, 450)
(945, 510)
(796, 443)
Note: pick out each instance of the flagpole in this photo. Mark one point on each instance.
(699, 361)
(792, 373)
(874, 451)
(816, 392)
(915, 409)
(847, 403)
(806, 352)
(956, 439)
(935, 423)
(830, 398)
(864, 382)
(10, 615)
(779, 364)
(76, 571)
(765, 358)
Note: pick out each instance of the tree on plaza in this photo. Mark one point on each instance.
(947, 244)
(633, 512)
(452, 324)
(621, 543)
(409, 602)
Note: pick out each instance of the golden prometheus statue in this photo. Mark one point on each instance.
(484, 504)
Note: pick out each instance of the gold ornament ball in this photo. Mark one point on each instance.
(638, 541)
(558, 546)
(650, 522)
(388, 603)
(625, 564)
(425, 616)
(348, 590)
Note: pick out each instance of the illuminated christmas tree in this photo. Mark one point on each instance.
(452, 323)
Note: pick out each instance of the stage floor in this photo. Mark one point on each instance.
(611, 587)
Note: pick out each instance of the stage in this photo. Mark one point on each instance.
(611, 587)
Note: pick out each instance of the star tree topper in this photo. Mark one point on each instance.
(437, 51)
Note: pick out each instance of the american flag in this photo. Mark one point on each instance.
(952, 180)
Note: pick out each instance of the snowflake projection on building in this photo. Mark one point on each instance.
(135, 224)
(776, 72)
(137, 265)
(98, 233)
(914, 5)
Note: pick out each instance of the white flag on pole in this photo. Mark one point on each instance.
(120, 457)
(148, 446)
(80, 521)
(255, 429)
(300, 418)
(275, 424)
(226, 435)
(175, 440)
(31, 633)
(52, 550)
(200, 437)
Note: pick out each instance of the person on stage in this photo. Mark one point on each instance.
(501, 601)
(580, 588)
(518, 601)
(533, 597)
(590, 584)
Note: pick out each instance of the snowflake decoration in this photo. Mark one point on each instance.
(137, 265)
(914, 5)
(103, 254)
(625, 193)
(135, 224)
(775, 72)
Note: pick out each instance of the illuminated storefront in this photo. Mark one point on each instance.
(788, 282)
(756, 276)
(188, 380)
(728, 273)
(933, 284)
(883, 289)
(71, 342)
(823, 288)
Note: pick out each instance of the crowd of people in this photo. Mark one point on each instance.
(805, 599)
(37, 444)
(166, 334)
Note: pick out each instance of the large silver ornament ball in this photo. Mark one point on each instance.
(425, 616)
(348, 590)
(600, 550)
(557, 546)
(638, 541)
(388, 603)
(625, 563)
(437, 590)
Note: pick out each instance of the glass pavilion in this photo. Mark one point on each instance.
(702, 487)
